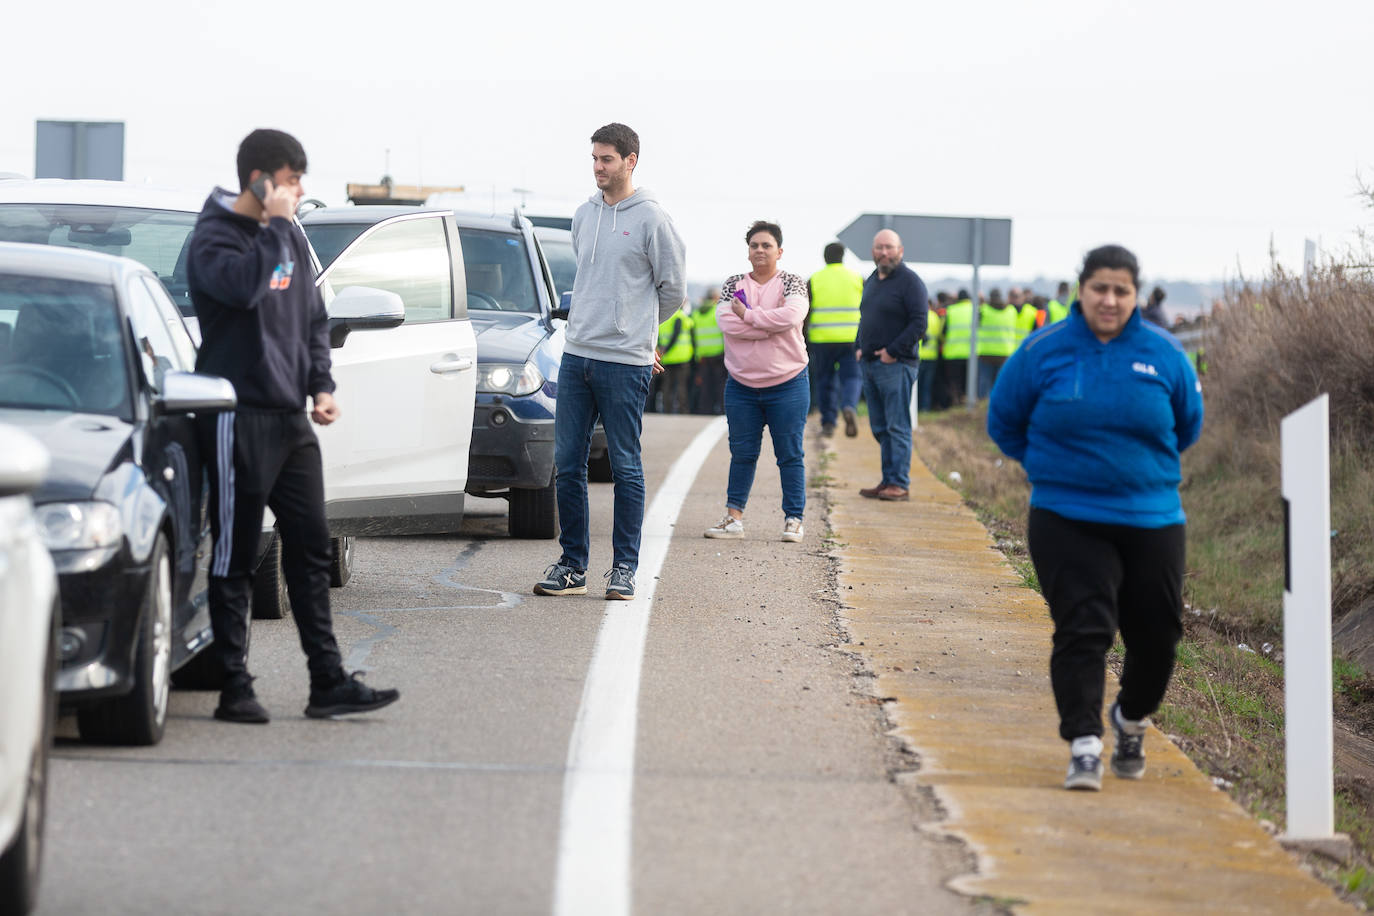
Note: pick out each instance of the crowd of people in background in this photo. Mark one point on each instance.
(692, 348)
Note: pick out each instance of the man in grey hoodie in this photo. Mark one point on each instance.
(630, 278)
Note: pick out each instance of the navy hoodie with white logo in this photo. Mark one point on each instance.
(263, 324)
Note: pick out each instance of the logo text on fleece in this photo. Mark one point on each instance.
(281, 277)
(1145, 368)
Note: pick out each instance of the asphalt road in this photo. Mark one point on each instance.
(762, 780)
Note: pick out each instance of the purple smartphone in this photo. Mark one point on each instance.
(739, 294)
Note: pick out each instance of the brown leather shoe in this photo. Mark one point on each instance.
(894, 494)
(851, 423)
(871, 492)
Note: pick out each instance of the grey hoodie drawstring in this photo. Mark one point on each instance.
(597, 237)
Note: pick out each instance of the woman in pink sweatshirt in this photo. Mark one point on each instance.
(760, 315)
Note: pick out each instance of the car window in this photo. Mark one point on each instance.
(330, 239)
(155, 238)
(409, 258)
(562, 263)
(176, 328)
(152, 340)
(61, 346)
(498, 271)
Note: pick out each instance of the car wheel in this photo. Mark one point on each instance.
(270, 601)
(534, 513)
(20, 864)
(341, 570)
(141, 715)
(599, 468)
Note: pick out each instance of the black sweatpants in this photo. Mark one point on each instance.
(258, 458)
(1097, 578)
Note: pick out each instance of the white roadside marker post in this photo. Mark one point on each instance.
(1306, 474)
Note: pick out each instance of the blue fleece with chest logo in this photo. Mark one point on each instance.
(1099, 426)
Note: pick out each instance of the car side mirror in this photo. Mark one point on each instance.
(187, 392)
(363, 308)
(564, 306)
(23, 462)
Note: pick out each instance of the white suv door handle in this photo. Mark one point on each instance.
(451, 364)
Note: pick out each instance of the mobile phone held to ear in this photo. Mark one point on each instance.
(259, 187)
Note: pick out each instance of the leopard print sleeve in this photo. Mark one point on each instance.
(794, 285)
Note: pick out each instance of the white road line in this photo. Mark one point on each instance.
(598, 790)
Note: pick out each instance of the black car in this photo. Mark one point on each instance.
(95, 362)
(513, 301)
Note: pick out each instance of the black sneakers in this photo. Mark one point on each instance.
(620, 584)
(240, 704)
(1128, 756)
(561, 580)
(348, 696)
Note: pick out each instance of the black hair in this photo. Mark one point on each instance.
(995, 296)
(268, 150)
(943, 298)
(1157, 294)
(1110, 257)
(762, 225)
(834, 253)
(625, 140)
(963, 294)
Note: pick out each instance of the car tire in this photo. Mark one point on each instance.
(140, 717)
(534, 513)
(341, 569)
(599, 469)
(21, 862)
(270, 601)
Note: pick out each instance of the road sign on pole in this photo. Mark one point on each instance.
(973, 240)
(80, 149)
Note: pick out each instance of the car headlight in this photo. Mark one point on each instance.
(502, 378)
(78, 526)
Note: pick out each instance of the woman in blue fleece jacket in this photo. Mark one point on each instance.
(1097, 409)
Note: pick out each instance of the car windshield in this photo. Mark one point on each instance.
(498, 271)
(60, 346)
(155, 238)
(562, 263)
(330, 239)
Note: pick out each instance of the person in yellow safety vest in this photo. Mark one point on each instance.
(1026, 313)
(708, 348)
(675, 353)
(1058, 308)
(929, 352)
(831, 328)
(955, 331)
(996, 339)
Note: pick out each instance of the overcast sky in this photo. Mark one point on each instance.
(1192, 132)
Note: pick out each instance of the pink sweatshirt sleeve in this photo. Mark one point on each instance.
(795, 304)
(730, 323)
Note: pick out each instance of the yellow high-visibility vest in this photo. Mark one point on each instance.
(1025, 322)
(1056, 311)
(997, 331)
(707, 340)
(930, 344)
(958, 325)
(681, 350)
(835, 294)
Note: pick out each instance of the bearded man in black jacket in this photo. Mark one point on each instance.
(264, 328)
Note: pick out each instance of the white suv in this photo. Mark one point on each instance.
(396, 462)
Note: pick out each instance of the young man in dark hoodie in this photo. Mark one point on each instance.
(264, 327)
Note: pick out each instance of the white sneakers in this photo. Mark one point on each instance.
(731, 527)
(728, 527)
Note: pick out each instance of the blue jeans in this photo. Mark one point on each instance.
(925, 384)
(588, 388)
(837, 379)
(782, 408)
(887, 389)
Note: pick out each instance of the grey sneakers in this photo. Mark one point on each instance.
(561, 580)
(728, 527)
(620, 584)
(1128, 756)
(792, 530)
(1085, 764)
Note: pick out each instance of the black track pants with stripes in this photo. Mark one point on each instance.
(258, 458)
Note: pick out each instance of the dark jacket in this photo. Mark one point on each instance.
(892, 314)
(262, 322)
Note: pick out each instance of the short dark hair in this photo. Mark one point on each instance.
(762, 225)
(1110, 257)
(963, 294)
(625, 140)
(268, 150)
(943, 298)
(834, 253)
